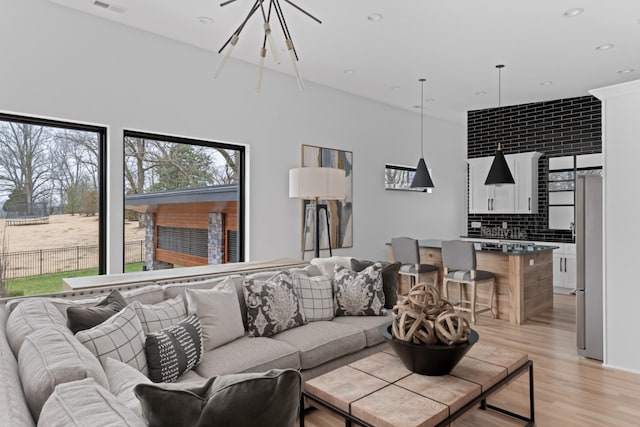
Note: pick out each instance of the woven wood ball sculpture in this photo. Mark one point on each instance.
(424, 317)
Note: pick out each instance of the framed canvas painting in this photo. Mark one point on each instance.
(340, 212)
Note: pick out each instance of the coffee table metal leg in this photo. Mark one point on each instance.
(302, 410)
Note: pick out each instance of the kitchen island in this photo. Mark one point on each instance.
(523, 276)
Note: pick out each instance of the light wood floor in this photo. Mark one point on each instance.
(569, 390)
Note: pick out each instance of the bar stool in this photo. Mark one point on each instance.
(407, 251)
(459, 259)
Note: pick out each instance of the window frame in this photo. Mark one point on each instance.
(204, 143)
(101, 131)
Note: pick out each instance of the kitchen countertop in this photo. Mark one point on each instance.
(509, 248)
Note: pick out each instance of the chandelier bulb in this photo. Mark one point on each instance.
(263, 53)
(232, 43)
(272, 43)
(295, 64)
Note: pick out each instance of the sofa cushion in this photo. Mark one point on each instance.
(315, 294)
(370, 325)
(147, 294)
(122, 379)
(86, 403)
(174, 289)
(272, 305)
(248, 354)
(50, 357)
(270, 399)
(174, 350)
(29, 316)
(359, 294)
(81, 318)
(13, 408)
(319, 342)
(155, 317)
(219, 313)
(389, 279)
(119, 337)
(327, 265)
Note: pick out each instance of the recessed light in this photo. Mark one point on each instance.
(205, 20)
(546, 83)
(606, 46)
(375, 17)
(573, 12)
(481, 92)
(417, 106)
(349, 71)
(626, 71)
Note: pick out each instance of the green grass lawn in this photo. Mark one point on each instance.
(48, 283)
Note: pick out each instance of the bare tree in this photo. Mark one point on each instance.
(74, 166)
(24, 160)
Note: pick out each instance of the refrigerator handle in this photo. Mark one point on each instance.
(580, 319)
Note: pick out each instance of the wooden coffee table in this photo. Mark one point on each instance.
(379, 391)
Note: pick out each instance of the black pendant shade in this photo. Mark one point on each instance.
(422, 179)
(499, 172)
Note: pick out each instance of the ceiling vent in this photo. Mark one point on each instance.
(109, 6)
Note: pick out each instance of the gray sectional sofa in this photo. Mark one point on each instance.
(313, 348)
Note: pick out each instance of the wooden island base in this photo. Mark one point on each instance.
(524, 282)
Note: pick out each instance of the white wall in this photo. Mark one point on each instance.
(62, 64)
(621, 150)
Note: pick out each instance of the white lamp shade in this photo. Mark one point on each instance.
(323, 183)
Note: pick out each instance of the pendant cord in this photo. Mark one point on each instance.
(422, 119)
(499, 87)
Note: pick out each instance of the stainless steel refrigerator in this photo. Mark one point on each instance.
(589, 260)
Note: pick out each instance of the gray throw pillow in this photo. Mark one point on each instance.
(81, 318)
(315, 294)
(174, 350)
(359, 294)
(155, 317)
(269, 399)
(272, 305)
(389, 279)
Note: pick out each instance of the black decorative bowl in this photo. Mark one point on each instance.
(434, 359)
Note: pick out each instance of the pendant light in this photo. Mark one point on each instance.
(499, 172)
(422, 179)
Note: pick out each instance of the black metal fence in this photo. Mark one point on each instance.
(58, 260)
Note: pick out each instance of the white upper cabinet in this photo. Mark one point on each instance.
(505, 199)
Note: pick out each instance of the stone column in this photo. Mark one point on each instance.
(149, 241)
(215, 240)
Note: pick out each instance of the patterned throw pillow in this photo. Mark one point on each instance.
(316, 296)
(272, 305)
(389, 279)
(119, 337)
(174, 350)
(359, 294)
(155, 317)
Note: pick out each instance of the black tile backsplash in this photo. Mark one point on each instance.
(562, 127)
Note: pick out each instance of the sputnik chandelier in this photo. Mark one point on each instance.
(266, 12)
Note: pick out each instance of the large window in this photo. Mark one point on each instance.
(183, 201)
(52, 203)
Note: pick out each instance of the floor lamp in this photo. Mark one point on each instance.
(313, 183)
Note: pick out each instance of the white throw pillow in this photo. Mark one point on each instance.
(327, 265)
(122, 379)
(155, 317)
(119, 337)
(316, 296)
(219, 312)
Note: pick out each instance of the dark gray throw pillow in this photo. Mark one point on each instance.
(389, 279)
(174, 350)
(81, 318)
(359, 294)
(269, 399)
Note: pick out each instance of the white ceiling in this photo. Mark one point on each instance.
(454, 44)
